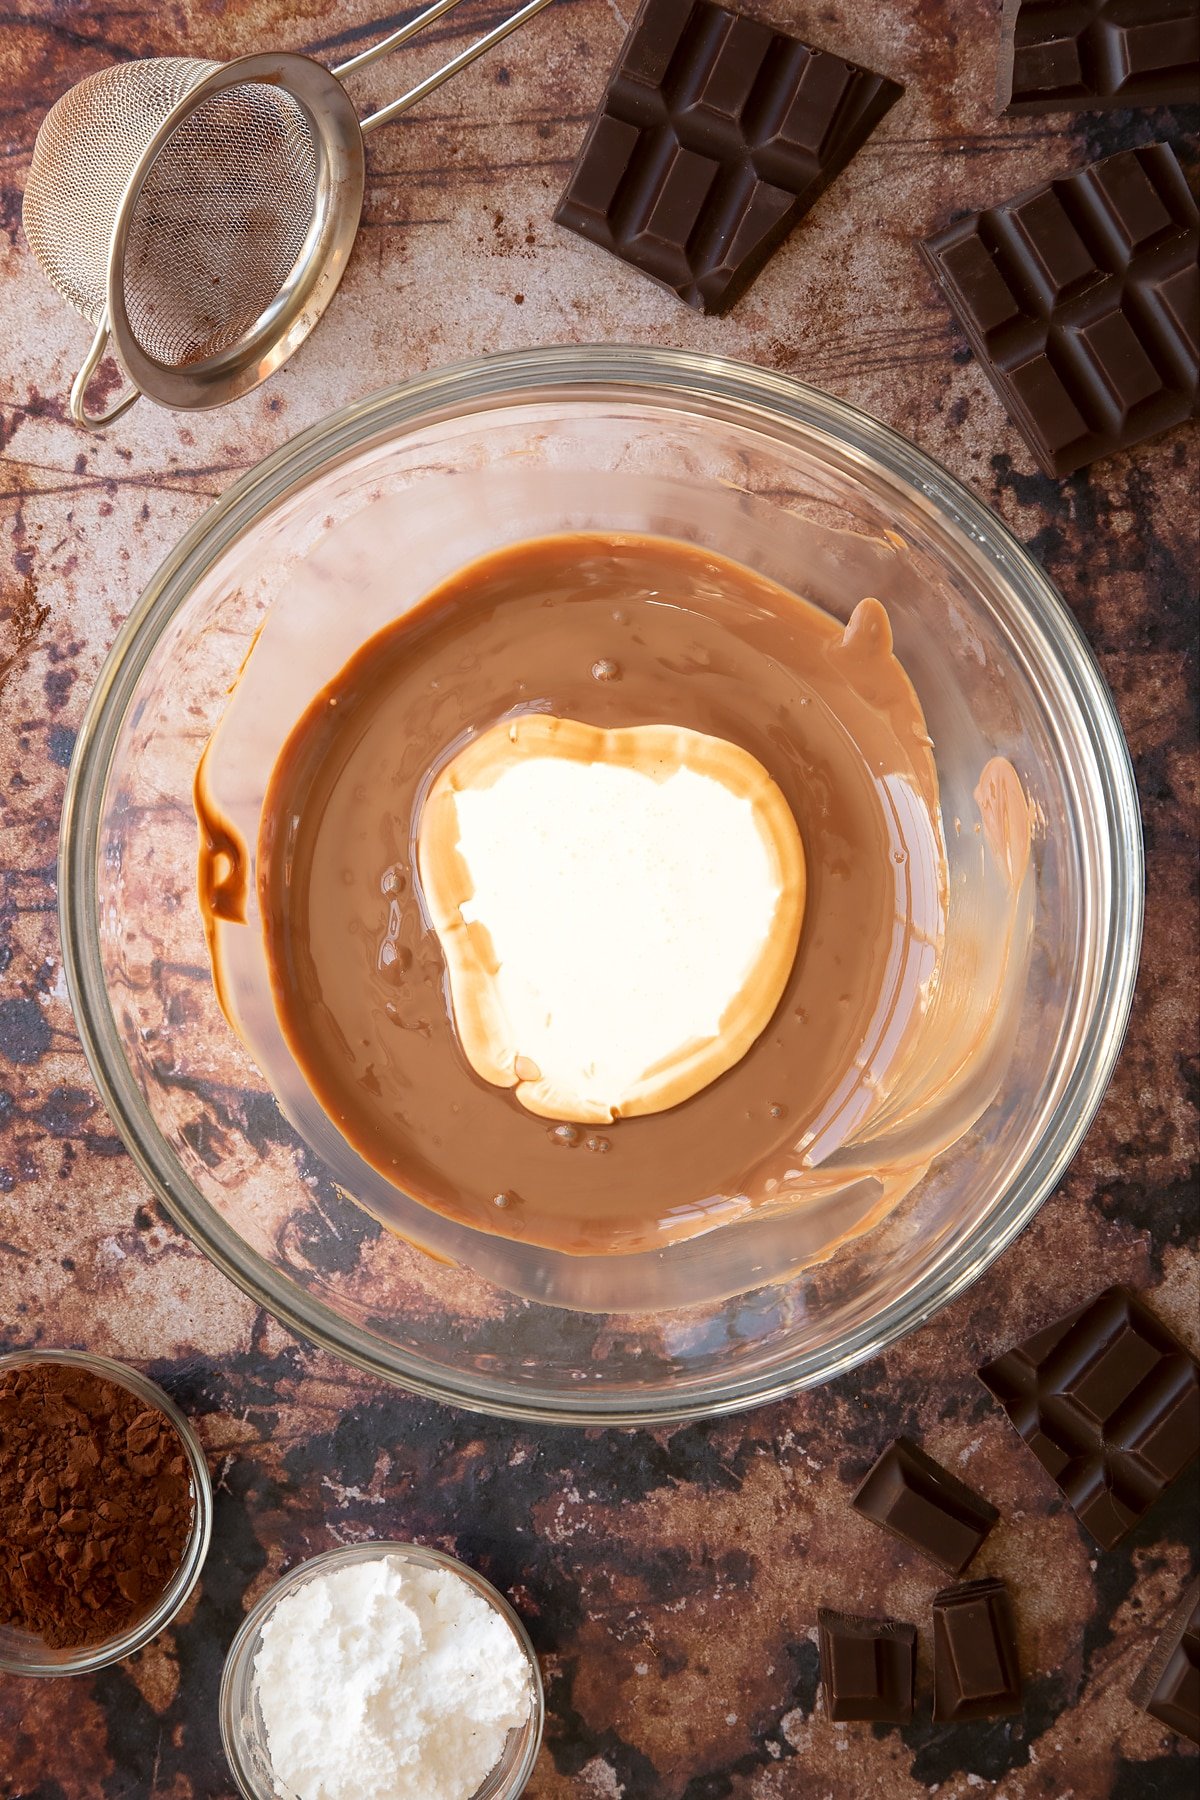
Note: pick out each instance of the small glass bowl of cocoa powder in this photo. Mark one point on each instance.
(128, 1485)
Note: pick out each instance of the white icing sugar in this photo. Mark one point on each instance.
(383, 1680)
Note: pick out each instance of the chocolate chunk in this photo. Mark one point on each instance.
(715, 136)
(1080, 299)
(1059, 54)
(1109, 1402)
(1169, 1685)
(868, 1667)
(975, 1670)
(917, 1500)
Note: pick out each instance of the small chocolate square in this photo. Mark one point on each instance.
(868, 1667)
(1109, 1402)
(1050, 248)
(1169, 1685)
(1131, 200)
(1124, 368)
(973, 270)
(976, 1674)
(715, 136)
(918, 1501)
(1076, 298)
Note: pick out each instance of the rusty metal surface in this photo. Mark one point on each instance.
(670, 1578)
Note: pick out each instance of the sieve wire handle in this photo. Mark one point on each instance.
(92, 361)
(394, 39)
(480, 47)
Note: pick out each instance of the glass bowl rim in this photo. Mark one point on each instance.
(577, 372)
(91, 1657)
(235, 1672)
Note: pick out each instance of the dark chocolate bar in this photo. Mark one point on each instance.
(1169, 1685)
(976, 1674)
(1059, 54)
(1109, 1402)
(1080, 299)
(917, 1500)
(715, 136)
(868, 1667)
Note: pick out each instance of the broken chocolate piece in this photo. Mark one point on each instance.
(1081, 301)
(868, 1667)
(1109, 1402)
(917, 1500)
(975, 1670)
(1169, 1685)
(1056, 55)
(715, 136)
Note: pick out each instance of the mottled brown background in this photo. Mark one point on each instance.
(670, 1578)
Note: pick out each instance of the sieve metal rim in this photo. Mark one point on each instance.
(337, 212)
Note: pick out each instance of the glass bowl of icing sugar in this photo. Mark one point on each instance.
(381, 1671)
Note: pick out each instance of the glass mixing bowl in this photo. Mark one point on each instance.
(812, 493)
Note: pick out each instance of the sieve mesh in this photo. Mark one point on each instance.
(220, 222)
(86, 150)
(221, 218)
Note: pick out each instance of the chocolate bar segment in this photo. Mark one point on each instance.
(976, 1674)
(868, 1667)
(715, 136)
(1169, 1685)
(1081, 300)
(917, 1500)
(1056, 55)
(1109, 1402)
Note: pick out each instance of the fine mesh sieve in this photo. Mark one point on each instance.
(201, 214)
(87, 148)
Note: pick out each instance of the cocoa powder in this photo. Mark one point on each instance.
(96, 1504)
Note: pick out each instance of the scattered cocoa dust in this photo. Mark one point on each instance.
(21, 619)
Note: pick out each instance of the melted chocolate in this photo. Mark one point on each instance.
(613, 631)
